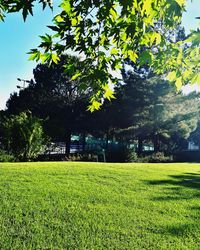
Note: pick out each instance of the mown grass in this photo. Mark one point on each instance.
(99, 206)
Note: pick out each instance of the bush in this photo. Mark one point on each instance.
(131, 156)
(187, 156)
(72, 157)
(5, 157)
(155, 158)
(120, 154)
(82, 157)
(23, 136)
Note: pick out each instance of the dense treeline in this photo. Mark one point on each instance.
(146, 110)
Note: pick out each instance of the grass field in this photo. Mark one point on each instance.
(99, 206)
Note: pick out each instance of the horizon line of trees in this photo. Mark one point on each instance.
(146, 109)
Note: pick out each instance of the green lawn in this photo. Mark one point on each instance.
(99, 206)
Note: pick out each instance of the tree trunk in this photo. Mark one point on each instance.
(107, 139)
(68, 143)
(140, 146)
(156, 144)
(83, 141)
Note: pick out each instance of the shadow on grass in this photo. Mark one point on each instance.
(178, 187)
(187, 180)
(184, 230)
(182, 192)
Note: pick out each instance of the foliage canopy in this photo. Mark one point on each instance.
(55, 98)
(106, 32)
(153, 111)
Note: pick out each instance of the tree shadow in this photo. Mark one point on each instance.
(182, 192)
(185, 186)
(188, 180)
(183, 230)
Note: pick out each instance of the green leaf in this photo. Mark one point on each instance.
(59, 19)
(158, 38)
(74, 21)
(74, 77)
(133, 56)
(186, 74)
(114, 51)
(54, 28)
(123, 36)
(198, 78)
(145, 57)
(181, 3)
(34, 55)
(46, 38)
(171, 76)
(109, 94)
(113, 13)
(69, 69)
(195, 79)
(178, 83)
(55, 58)
(44, 57)
(94, 106)
(66, 6)
(155, 37)
(147, 8)
(118, 65)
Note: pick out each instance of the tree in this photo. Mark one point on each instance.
(9, 6)
(54, 97)
(153, 111)
(195, 135)
(107, 32)
(2, 114)
(23, 136)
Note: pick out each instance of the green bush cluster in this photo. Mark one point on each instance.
(82, 157)
(155, 158)
(23, 136)
(124, 154)
(5, 157)
(120, 154)
(86, 156)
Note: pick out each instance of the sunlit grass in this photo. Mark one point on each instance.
(99, 206)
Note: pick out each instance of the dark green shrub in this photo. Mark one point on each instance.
(23, 136)
(72, 157)
(156, 158)
(120, 154)
(131, 156)
(187, 156)
(82, 157)
(5, 157)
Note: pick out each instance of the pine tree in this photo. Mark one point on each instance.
(152, 110)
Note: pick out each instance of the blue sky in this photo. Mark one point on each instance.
(17, 38)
